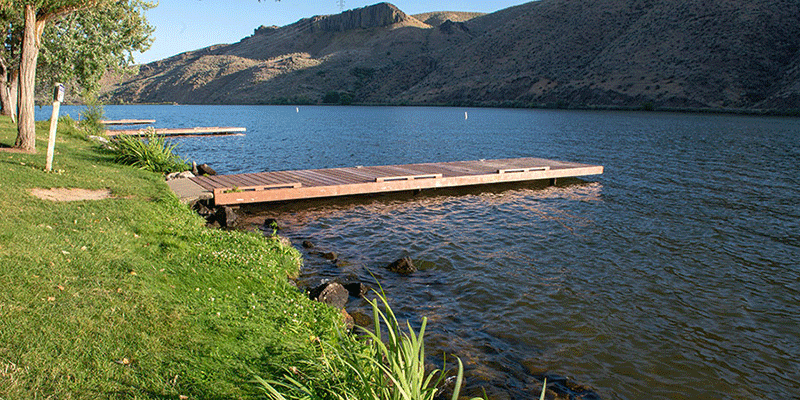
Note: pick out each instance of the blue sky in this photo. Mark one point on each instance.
(184, 25)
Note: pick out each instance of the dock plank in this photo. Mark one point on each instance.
(197, 131)
(127, 121)
(307, 184)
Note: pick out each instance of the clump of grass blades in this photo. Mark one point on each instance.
(91, 117)
(373, 369)
(147, 151)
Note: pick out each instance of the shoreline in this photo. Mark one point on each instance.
(508, 105)
(559, 387)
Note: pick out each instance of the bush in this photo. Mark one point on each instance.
(147, 151)
(91, 117)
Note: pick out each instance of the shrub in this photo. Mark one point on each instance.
(91, 117)
(147, 151)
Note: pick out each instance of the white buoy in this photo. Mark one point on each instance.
(297, 109)
(465, 115)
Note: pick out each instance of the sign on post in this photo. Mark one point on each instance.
(58, 93)
(58, 97)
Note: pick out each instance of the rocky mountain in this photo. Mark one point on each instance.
(692, 54)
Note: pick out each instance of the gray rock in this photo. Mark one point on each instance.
(204, 169)
(226, 216)
(271, 223)
(330, 293)
(402, 266)
(99, 139)
(356, 289)
(362, 319)
(349, 322)
(180, 175)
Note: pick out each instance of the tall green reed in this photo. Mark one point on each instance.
(147, 151)
(367, 368)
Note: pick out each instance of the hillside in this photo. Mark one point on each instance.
(731, 54)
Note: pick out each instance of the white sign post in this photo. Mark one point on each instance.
(58, 97)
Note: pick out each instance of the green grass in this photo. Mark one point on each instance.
(133, 297)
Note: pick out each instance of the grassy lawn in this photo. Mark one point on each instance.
(132, 296)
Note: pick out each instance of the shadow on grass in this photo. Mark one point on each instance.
(4, 148)
(95, 156)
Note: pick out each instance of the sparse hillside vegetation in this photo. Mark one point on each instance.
(663, 54)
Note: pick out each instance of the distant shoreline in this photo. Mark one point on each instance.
(509, 105)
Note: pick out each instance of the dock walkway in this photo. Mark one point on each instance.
(127, 122)
(198, 131)
(333, 182)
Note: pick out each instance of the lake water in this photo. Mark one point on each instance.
(674, 275)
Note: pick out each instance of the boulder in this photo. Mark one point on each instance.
(99, 139)
(356, 289)
(226, 216)
(349, 322)
(342, 263)
(180, 175)
(331, 255)
(402, 266)
(271, 223)
(330, 293)
(203, 209)
(362, 319)
(204, 169)
(307, 244)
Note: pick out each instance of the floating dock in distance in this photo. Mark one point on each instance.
(198, 131)
(128, 122)
(275, 186)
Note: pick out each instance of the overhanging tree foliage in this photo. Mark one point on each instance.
(90, 37)
(84, 46)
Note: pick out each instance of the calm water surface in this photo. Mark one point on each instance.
(674, 275)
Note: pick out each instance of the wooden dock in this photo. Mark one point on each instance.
(128, 122)
(198, 131)
(308, 184)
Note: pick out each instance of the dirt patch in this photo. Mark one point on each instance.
(5, 149)
(64, 194)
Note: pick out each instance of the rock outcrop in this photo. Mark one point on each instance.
(376, 16)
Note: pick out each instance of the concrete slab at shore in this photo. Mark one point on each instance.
(189, 191)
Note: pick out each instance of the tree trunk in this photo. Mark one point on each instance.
(26, 125)
(5, 93)
(13, 93)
